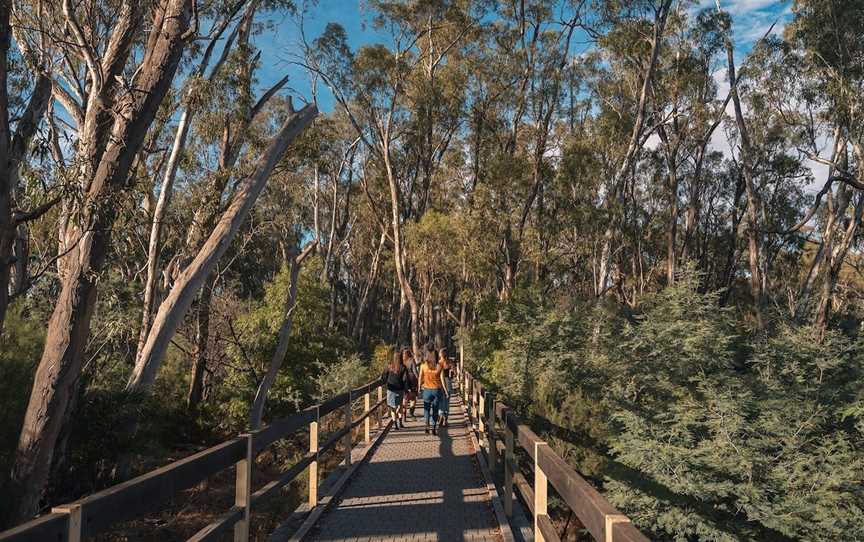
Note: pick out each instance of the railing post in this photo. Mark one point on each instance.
(349, 441)
(74, 513)
(378, 410)
(243, 492)
(490, 436)
(474, 400)
(509, 460)
(541, 490)
(313, 466)
(481, 412)
(366, 405)
(465, 390)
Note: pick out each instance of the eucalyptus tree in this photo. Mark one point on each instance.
(16, 137)
(113, 114)
(376, 86)
(642, 24)
(817, 81)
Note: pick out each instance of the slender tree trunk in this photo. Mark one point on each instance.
(370, 283)
(202, 340)
(13, 149)
(334, 291)
(7, 225)
(154, 247)
(20, 281)
(257, 412)
(837, 256)
(670, 152)
(399, 254)
(746, 153)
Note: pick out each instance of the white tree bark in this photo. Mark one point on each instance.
(172, 310)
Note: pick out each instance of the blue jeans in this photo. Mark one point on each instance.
(445, 399)
(394, 398)
(431, 400)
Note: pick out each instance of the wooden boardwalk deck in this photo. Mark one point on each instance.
(415, 487)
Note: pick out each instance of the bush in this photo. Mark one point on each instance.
(20, 347)
(693, 429)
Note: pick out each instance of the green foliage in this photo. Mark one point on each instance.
(694, 430)
(340, 376)
(20, 348)
(312, 345)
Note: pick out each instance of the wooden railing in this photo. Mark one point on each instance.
(601, 519)
(147, 493)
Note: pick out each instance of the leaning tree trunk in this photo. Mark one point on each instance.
(68, 330)
(257, 412)
(183, 292)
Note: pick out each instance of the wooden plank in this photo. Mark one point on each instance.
(527, 439)
(312, 496)
(243, 491)
(332, 404)
(47, 528)
(585, 501)
(509, 471)
(221, 526)
(149, 491)
(526, 492)
(541, 494)
(73, 512)
(356, 393)
(280, 429)
(626, 532)
(547, 530)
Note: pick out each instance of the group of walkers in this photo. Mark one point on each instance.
(431, 379)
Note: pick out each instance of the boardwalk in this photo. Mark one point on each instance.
(415, 487)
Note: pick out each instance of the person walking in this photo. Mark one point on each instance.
(447, 381)
(395, 378)
(432, 389)
(412, 374)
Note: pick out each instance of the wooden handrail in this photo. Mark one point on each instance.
(147, 493)
(603, 521)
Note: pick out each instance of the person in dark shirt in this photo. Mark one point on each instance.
(447, 380)
(411, 390)
(395, 379)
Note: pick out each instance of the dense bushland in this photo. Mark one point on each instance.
(693, 424)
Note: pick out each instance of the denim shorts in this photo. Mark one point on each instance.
(394, 398)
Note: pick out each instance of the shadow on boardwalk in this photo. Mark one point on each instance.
(415, 487)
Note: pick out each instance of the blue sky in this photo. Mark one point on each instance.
(752, 19)
(279, 44)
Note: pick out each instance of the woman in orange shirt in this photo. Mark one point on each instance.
(432, 389)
